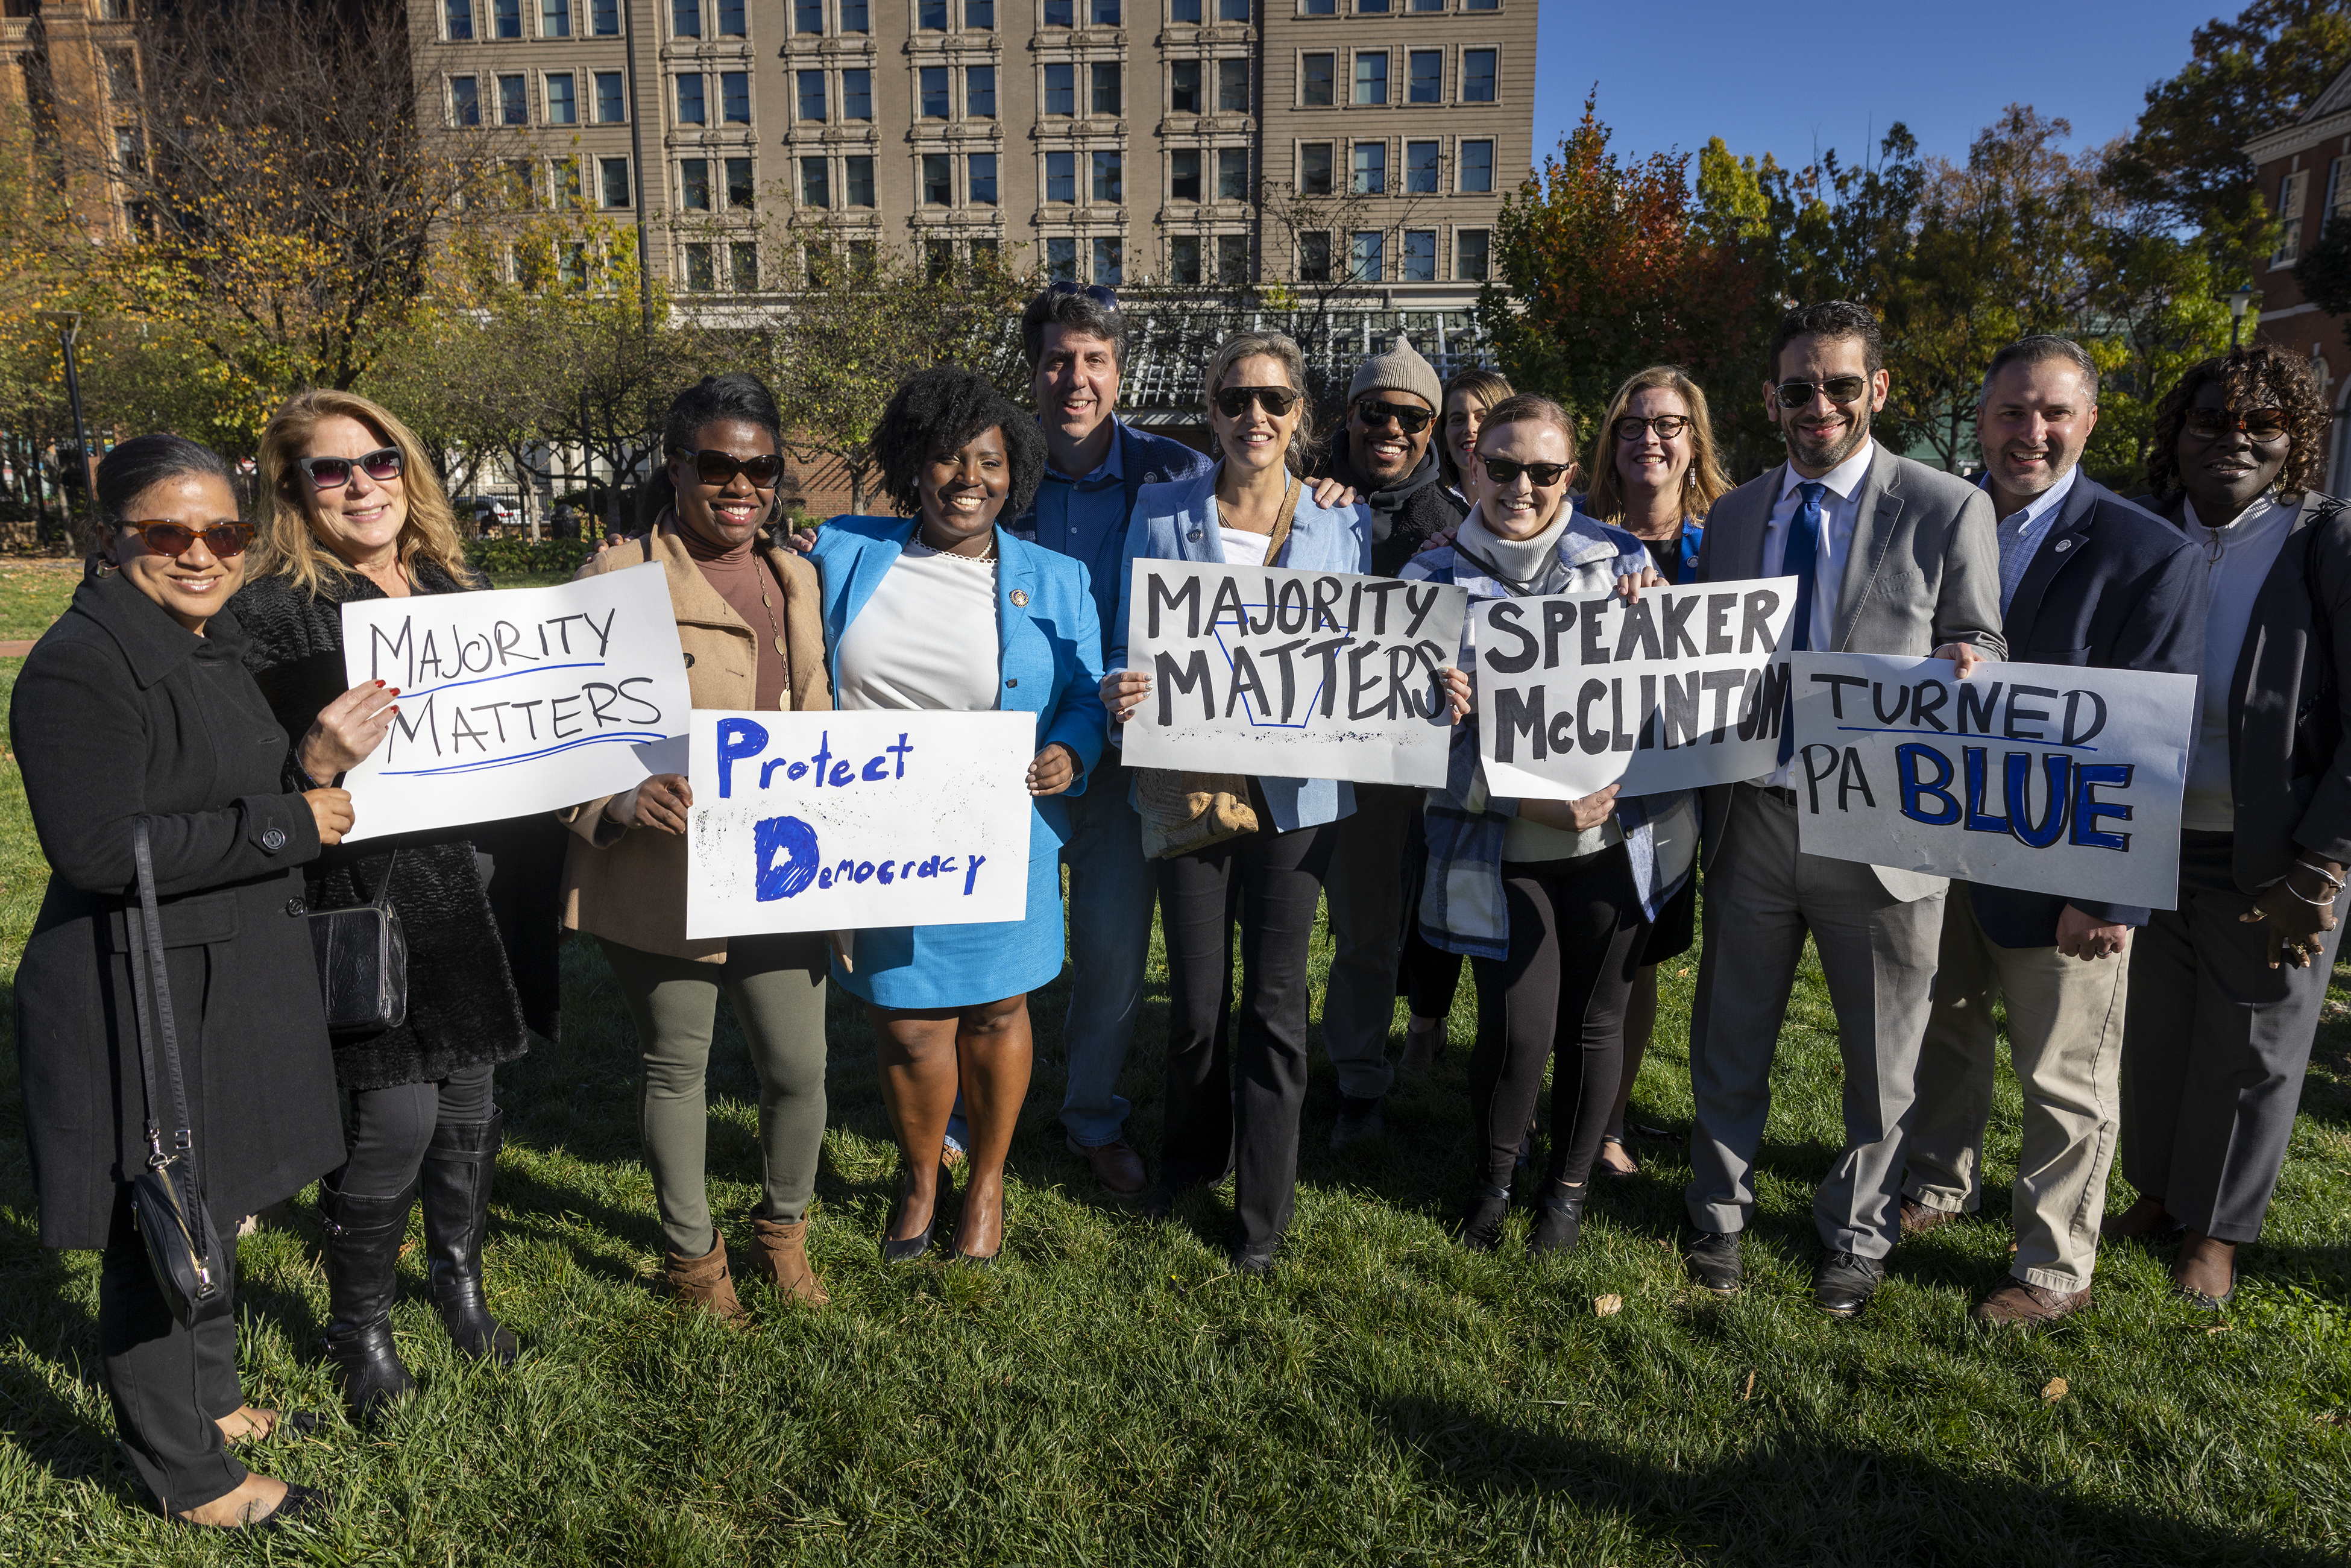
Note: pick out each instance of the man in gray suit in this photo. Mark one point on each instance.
(1891, 556)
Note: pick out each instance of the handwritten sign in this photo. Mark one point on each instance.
(1685, 687)
(2049, 777)
(527, 699)
(829, 822)
(1301, 674)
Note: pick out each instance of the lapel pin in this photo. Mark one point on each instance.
(1019, 597)
(2064, 545)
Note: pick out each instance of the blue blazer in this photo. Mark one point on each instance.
(1177, 521)
(2111, 588)
(1047, 634)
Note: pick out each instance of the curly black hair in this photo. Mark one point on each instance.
(939, 410)
(2256, 375)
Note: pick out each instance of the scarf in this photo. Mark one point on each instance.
(1519, 564)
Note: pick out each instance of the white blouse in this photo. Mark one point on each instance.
(927, 638)
(1241, 547)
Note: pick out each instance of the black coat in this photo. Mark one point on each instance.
(1402, 519)
(465, 1006)
(120, 713)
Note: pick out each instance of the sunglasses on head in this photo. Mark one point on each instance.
(1632, 427)
(1092, 291)
(1375, 414)
(327, 473)
(2260, 424)
(1503, 471)
(1840, 390)
(1234, 402)
(718, 468)
(226, 538)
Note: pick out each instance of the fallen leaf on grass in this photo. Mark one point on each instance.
(1607, 1306)
(2218, 1328)
(1749, 1391)
(2054, 1391)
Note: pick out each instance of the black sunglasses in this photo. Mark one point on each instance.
(1503, 471)
(2261, 423)
(716, 468)
(1411, 421)
(327, 473)
(1093, 291)
(1840, 389)
(1234, 402)
(225, 538)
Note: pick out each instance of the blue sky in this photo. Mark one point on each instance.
(1674, 75)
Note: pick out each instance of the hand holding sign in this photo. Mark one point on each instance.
(660, 803)
(349, 729)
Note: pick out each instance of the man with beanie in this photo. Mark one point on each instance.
(1388, 455)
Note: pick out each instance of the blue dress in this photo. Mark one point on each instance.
(1049, 642)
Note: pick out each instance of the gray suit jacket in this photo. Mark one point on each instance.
(1922, 570)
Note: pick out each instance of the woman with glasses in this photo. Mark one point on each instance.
(1551, 900)
(1654, 474)
(137, 705)
(752, 630)
(1236, 1106)
(2226, 988)
(356, 512)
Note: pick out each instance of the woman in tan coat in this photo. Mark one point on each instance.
(752, 630)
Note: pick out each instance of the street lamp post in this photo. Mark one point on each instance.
(2238, 303)
(69, 326)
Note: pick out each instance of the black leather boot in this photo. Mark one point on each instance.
(1560, 1221)
(458, 1168)
(1482, 1231)
(363, 1237)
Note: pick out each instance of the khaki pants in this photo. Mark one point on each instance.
(2065, 1039)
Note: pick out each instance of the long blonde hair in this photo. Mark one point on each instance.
(1702, 482)
(1274, 346)
(287, 548)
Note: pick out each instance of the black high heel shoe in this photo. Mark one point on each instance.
(1482, 1231)
(914, 1246)
(987, 1260)
(1561, 1221)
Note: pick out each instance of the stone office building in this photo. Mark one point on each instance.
(1131, 142)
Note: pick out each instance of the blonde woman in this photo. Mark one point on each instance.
(351, 511)
(1654, 474)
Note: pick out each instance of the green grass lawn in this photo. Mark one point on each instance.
(1109, 1395)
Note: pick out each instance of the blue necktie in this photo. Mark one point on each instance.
(1797, 560)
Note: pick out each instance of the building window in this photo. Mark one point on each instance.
(1105, 13)
(604, 18)
(464, 101)
(857, 95)
(1105, 96)
(1427, 5)
(2338, 193)
(979, 92)
(562, 109)
(1314, 258)
(1232, 87)
(938, 258)
(1060, 89)
(1420, 168)
(1321, 8)
(1372, 77)
(979, 179)
(1061, 260)
(1428, 76)
(1370, 173)
(857, 177)
(1314, 168)
(130, 150)
(1060, 14)
(741, 192)
(743, 258)
(811, 96)
(731, 20)
(508, 18)
(686, 19)
(1183, 174)
(612, 98)
(931, 16)
(933, 80)
(853, 17)
(1477, 167)
(1232, 175)
(979, 15)
(571, 265)
(1184, 11)
(816, 184)
(1184, 87)
(513, 100)
(690, 111)
(612, 177)
(983, 255)
(1469, 255)
(1481, 5)
(938, 180)
(735, 97)
(1109, 255)
(457, 19)
(1419, 257)
(2292, 192)
(1108, 186)
(1060, 176)
(555, 19)
(693, 185)
(807, 17)
(1183, 260)
(1232, 258)
(698, 278)
(522, 182)
(1371, 7)
(1315, 80)
(1365, 258)
(1232, 10)
(1476, 76)
(861, 258)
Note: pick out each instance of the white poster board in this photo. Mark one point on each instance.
(522, 700)
(827, 822)
(1684, 687)
(2048, 778)
(1299, 674)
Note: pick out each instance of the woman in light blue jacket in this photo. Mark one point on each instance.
(1271, 879)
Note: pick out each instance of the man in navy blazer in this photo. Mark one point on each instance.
(2086, 578)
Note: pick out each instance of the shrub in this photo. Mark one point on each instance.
(512, 556)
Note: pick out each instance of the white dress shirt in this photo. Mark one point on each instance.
(1839, 509)
(2248, 548)
(2021, 533)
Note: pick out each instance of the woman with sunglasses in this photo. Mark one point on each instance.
(2226, 988)
(1236, 1105)
(137, 704)
(355, 513)
(752, 630)
(1550, 900)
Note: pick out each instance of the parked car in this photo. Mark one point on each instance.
(483, 513)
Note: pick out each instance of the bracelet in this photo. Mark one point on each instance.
(2327, 876)
(2326, 902)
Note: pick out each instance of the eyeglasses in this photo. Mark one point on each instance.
(226, 538)
(716, 468)
(1840, 389)
(1092, 291)
(1234, 402)
(327, 473)
(2260, 424)
(1632, 427)
(1502, 471)
(1411, 421)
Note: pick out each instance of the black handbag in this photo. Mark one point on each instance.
(167, 1199)
(363, 956)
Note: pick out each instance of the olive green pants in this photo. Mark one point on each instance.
(776, 984)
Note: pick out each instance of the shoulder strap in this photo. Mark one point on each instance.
(152, 996)
(382, 899)
(1281, 536)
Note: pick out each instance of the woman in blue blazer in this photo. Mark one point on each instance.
(1272, 879)
(946, 610)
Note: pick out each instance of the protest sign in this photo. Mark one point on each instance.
(1684, 687)
(2049, 777)
(827, 822)
(523, 700)
(1299, 674)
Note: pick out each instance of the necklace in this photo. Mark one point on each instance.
(917, 547)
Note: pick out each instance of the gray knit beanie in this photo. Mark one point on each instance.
(1401, 369)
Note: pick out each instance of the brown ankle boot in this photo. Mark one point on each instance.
(704, 1283)
(784, 1260)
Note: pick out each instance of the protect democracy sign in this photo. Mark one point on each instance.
(1683, 687)
(2048, 778)
(522, 700)
(829, 822)
(1302, 675)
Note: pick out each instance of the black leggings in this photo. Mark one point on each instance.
(392, 1128)
(1576, 934)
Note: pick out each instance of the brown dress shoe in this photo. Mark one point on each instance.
(784, 1260)
(2029, 1306)
(1918, 1218)
(704, 1283)
(1116, 1165)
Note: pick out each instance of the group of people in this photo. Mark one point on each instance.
(197, 685)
